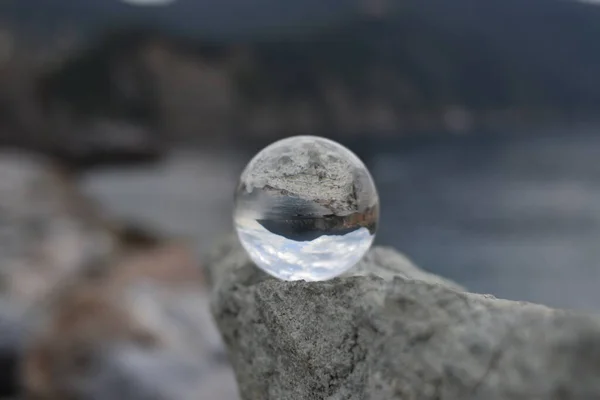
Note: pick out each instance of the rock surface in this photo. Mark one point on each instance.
(388, 330)
(92, 308)
(48, 231)
(139, 329)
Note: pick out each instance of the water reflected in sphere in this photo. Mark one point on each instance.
(306, 208)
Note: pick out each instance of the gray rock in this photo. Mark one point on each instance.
(140, 330)
(92, 308)
(48, 232)
(48, 229)
(388, 330)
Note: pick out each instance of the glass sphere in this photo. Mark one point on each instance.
(306, 208)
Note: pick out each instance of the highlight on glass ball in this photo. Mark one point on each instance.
(306, 208)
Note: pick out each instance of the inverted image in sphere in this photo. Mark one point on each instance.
(306, 208)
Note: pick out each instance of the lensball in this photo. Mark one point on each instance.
(306, 208)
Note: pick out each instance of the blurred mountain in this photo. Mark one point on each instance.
(341, 68)
(544, 51)
(556, 42)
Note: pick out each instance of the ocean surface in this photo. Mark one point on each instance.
(516, 217)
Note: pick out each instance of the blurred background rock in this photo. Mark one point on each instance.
(126, 124)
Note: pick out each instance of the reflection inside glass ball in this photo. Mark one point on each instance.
(306, 208)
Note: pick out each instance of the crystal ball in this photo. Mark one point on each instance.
(306, 208)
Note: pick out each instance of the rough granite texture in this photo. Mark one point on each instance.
(309, 167)
(388, 330)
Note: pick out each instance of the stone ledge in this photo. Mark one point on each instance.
(388, 330)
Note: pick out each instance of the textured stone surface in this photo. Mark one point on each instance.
(389, 331)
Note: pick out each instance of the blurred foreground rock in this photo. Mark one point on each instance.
(388, 330)
(48, 231)
(138, 330)
(92, 308)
